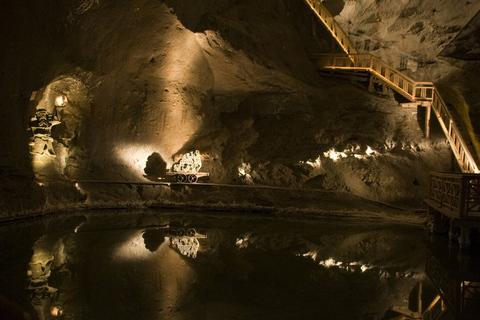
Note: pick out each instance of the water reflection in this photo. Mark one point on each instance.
(153, 239)
(456, 277)
(186, 241)
(163, 265)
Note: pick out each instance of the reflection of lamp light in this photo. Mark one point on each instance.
(56, 311)
(61, 100)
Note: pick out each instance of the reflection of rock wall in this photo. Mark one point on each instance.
(49, 260)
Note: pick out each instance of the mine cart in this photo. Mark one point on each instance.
(186, 170)
(186, 241)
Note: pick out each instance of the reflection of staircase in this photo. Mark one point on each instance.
(436, 310)
(459, 296)
(422, 93)
(471, 299)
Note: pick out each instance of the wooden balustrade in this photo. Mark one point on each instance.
(458, 145)
(435, 310)
(412, 90)
(457, 194)
(409, 88)
(327, 18)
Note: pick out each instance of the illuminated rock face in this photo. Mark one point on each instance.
(429, 40)
(231, 79)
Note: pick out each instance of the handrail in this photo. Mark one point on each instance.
(457, 143)
(410, 89)
(338, 34)
(457, 192)
(435, 309)
(404, 85)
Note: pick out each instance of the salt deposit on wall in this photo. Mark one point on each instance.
(428, 40)
(232, 80)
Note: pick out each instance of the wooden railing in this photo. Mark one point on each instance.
(457, 192)
(414, 91)
(448, 288)
(435, 310)
(457, 143)
(327, 18)
(409, 88)
(404, 85)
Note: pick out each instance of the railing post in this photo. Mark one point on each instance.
(443, 190)
(383, 71)
(463, 195)
(427, 120)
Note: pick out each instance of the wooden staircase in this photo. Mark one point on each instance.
(423, 93)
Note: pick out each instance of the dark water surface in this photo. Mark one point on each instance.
(147, 265)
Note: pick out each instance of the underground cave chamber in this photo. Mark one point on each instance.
(336, 109)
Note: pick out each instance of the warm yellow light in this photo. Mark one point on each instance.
(316, 164)
(133, 248)
(369, 151)
(56, 311)
(334, 155)
(61, 100)
(135, 156)
(244, 171)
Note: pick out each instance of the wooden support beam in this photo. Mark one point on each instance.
(371, 82)
(384, 88)
(409, 105)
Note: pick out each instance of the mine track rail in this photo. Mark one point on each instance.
(224, 185)
(422, 92)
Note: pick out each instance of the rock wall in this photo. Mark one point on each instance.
(231, 79)
(429, 40)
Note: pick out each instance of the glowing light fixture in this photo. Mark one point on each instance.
(61, 100)
(56, 311)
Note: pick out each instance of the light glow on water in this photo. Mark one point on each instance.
(133, 248)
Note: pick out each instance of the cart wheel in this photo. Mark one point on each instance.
(191, 232)
(192, 178)
(181, 178)
(180, 232)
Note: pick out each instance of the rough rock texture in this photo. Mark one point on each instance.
(429, 40)
(229, 78)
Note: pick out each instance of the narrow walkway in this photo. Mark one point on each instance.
(423, 93)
